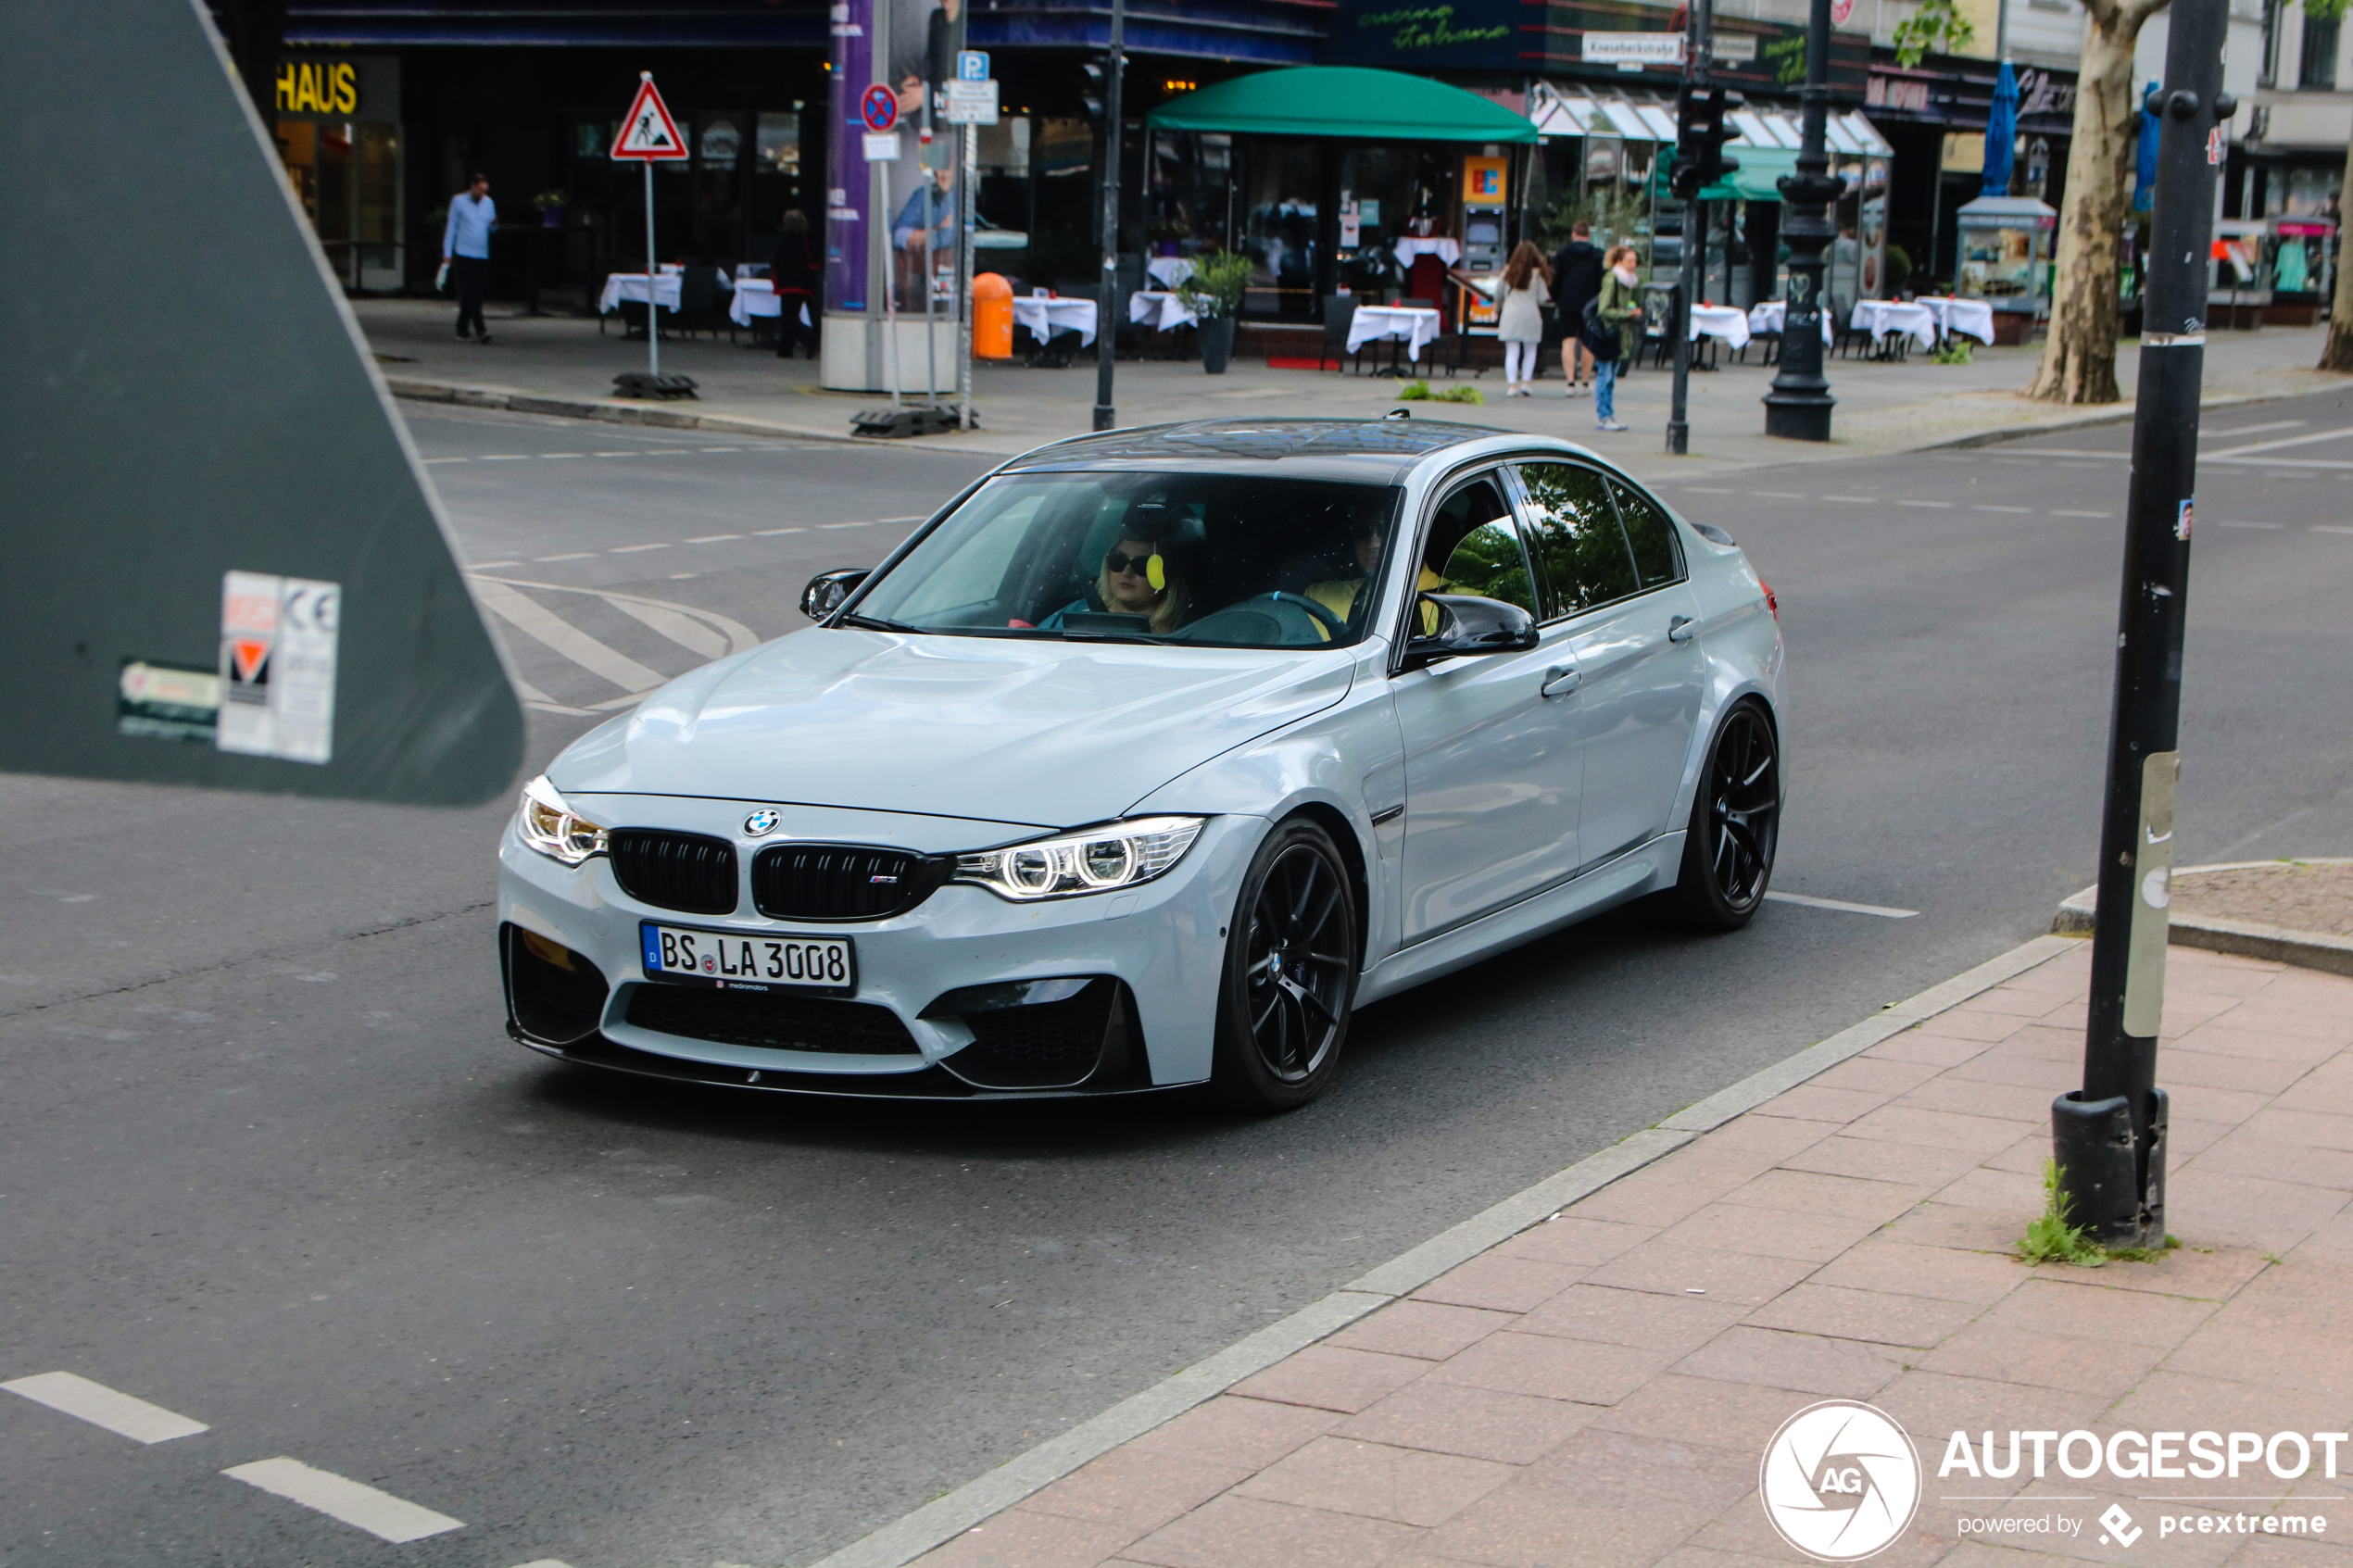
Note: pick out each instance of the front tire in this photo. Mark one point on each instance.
(1291, 973)
(1735, 824)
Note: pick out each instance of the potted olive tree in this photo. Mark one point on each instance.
(1213, 293)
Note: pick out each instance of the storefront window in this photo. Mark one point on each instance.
(1278, 233)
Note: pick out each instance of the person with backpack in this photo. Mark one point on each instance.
(1577, 278)
(1609, 330)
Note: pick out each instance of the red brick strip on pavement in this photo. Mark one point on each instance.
(1598, 1390)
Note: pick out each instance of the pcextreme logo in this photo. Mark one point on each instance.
(1840, 1481)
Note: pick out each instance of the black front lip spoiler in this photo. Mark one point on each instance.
(931, 1084)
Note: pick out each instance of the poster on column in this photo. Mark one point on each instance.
(849, 189)
(925, 37)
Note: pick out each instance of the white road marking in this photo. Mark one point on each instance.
(2252, 525)
(633, 550)
(845, 525)
(102, 1406)
(552, 457)
(1778, 495)
(772, 533)
(2257, 429)
(2082, 514)
(2330, 528)
(505, 458)
(739, 636)
(491, 565)
(1860, 500)
(1708, 490)
(2028, 512)
(923, 517)
(1942, 505)
(684, 630)
(2296, 468)
(576, 555)
(613, 454)
(668, 452)
(1842, 906)
(712, 538)
(534, 620)
(722, 448)
(2284, 441)
(430, 461)
(363, 1507)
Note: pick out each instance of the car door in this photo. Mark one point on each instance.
(1609, 565)
(1492, 773)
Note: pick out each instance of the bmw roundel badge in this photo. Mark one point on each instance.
(763, 821)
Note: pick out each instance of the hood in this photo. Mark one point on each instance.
(1045, 733)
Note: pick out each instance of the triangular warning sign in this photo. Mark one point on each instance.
(647, 131)
(245, 656)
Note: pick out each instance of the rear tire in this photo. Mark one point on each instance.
(1735, 824)
(1291, 973)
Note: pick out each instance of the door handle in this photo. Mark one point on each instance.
(1681, 629)
(1559, 680)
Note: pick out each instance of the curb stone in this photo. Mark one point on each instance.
(945, 1518)
(2246, 939)
(662, 417)
(2121, 416)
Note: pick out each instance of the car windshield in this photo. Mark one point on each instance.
(1226, 561)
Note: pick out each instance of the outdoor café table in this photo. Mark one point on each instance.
(1720, 321)
(1411, 245)
(1168, 271)
(1044, 318)
(629, 288)
(1972, 316)
(1415, 325)
(1768, 316)
(754, 296)
(1163, 309)
(1882, 316)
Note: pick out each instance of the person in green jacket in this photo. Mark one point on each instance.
(1620, 307)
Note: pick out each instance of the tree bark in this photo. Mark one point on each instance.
(2338, 354)
(2078, 360)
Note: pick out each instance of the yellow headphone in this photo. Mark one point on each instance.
(1156, 574)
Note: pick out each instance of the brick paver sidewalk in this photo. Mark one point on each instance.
(1599, 1390)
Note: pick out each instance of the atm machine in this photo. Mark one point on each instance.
(1484, 187)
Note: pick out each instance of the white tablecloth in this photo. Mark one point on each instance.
(1882, 317)
(756, 297)
(1972, 316)
(1163, 309)
(1044, 318)
(1772, 315)
(1720, 321)
(630, 288)
(1168, 271)
(1413, 325)
(1411, 245)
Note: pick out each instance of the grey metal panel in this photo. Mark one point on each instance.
(183, 392)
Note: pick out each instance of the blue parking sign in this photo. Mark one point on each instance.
(972, 65)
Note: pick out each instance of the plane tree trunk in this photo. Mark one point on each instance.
(2338, 354)
(2078, 359)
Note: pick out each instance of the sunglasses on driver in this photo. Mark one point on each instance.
(1120, 561)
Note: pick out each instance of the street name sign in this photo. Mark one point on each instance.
(1632, 51)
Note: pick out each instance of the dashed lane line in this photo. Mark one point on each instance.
(503, 458)
(2082, 514)
(1859, 500)
(712, 538)
(2264, 525)
(1940, 506)
(492, 565)
(575, 555)
(363, 1507)
(2022, 512)
(634, 550)
(534, 620)
(1778, 495)
(834, 525)
(2275, 446)
(101, 1406)
(1842, 906)
(616, 454)
(2330, 528)
(772, 533)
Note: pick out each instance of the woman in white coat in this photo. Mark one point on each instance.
(1527, 290)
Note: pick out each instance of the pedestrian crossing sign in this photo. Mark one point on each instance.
(647, 134)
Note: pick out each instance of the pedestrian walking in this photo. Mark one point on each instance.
(465, 250)
(1615, 311)
(1577, 279)
(1527, 290)
(794, 272)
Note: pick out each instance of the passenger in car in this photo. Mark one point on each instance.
(1140, 577)
(1347, 598)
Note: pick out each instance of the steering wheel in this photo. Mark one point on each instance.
(1266, 611)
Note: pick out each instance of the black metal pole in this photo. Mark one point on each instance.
(1695, 61)
(1106, 313)
(2108, 1137)
(1798, 408)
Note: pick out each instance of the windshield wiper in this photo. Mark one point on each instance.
(877, 623)
(1145, 638)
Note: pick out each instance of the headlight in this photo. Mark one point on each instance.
(549, 826)
(1116, 855)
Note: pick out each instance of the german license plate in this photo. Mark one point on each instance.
(733, 960)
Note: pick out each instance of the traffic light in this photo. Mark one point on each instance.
(1093, 93)
(1700, 135)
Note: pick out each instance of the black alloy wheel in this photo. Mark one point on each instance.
(1736, 815)
(1291, 972)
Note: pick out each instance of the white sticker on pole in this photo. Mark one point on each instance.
(277, 637)
(1634, 49)
(1840, 11)
(972, 102)
(882, 146)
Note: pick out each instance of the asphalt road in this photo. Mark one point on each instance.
(268, 1162)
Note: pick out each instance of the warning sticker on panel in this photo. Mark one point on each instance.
(278, 638)
(161, 701)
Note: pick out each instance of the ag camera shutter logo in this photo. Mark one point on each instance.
(1840, 1481)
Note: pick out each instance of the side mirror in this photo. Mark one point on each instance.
(1468, 625)
(828, 590)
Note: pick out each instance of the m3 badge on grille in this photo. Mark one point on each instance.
(763, 822)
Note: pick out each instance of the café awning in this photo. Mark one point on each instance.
(1343, 101)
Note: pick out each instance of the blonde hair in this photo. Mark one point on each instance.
(1167, 615)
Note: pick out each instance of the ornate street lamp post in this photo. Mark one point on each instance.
(1798, 408)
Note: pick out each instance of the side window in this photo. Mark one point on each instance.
(1581, 553)
(1473, 547)
(1658, 559)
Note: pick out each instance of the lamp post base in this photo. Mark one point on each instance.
(1798, 416)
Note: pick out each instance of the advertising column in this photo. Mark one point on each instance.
(844, 357)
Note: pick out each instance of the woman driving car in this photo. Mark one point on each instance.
(1138, 577)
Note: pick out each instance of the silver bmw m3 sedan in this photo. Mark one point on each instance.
(1148, 759)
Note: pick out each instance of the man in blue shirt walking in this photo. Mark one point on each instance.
(465, 248)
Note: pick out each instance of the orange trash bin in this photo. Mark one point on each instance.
(992, 317)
